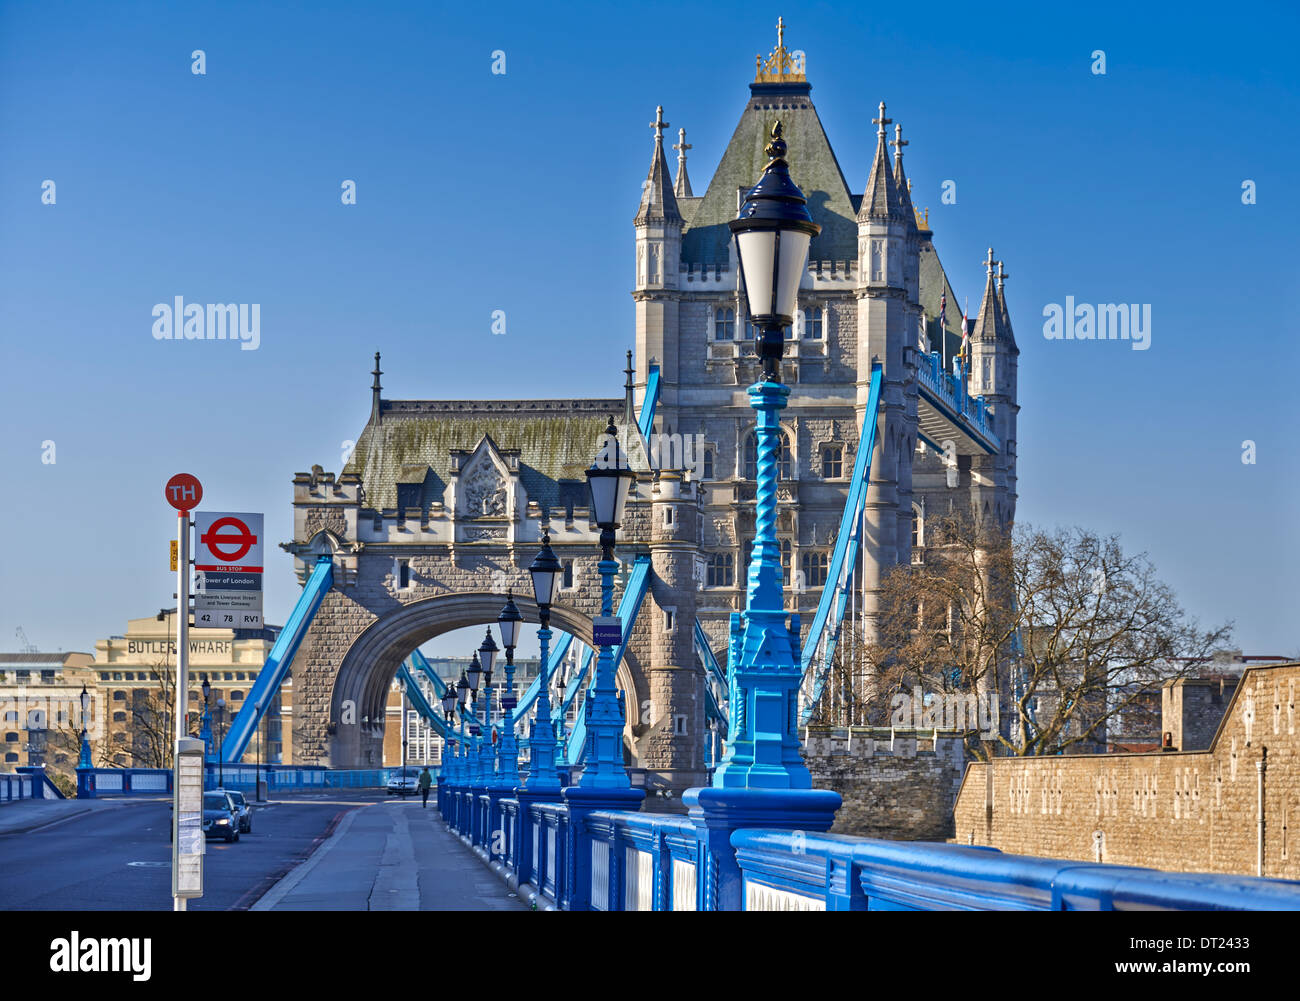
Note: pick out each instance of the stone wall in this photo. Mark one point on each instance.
(898, 785)
(1186, 811)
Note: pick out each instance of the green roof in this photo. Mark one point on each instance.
(813, 166)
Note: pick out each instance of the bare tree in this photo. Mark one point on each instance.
(1062, 630)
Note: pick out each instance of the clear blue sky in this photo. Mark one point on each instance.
(479, 192)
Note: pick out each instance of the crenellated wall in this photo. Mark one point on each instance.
(1189, 811)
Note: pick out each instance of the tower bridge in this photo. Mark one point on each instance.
(443, 503)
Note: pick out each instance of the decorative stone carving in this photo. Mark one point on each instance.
(330, 519)
(484, 492)
(484, 534)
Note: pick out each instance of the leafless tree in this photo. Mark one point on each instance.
(1062, 629)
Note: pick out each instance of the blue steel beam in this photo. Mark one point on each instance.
(278, 660)
(840, 572)
(646, 421)
(628, 607)
(421, 705)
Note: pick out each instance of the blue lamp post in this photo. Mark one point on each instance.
(462, 761)
(561, 747)
(762, 780)
(508, 622)
(84, 760)
(447, 773)
(487, 657)
(545, 571)
(610, 481)
(205, 731)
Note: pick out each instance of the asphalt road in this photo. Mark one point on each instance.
(120, 858)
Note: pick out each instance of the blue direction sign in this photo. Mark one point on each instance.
(607, 630)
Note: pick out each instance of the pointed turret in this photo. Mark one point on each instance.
(989, 317)
(658, 203)
(881, 197)
(375, 411)
(1005, 331)
(901, 183)
(682, 186)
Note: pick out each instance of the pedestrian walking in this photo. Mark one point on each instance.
(426, 781)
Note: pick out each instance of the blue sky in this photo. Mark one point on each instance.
(478, 192)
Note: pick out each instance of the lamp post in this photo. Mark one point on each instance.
(462, 768)
(205, 732)
(610, 481)
(84, 761)
(402, 730)
(561, 750)
(762, 781)
(221, 742)
(508, 622)
(447, 771)
(487, 658)
(544, 571)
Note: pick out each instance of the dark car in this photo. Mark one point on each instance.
(220, 816)
(244, 808)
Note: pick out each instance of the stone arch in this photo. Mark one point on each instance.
(373, 657)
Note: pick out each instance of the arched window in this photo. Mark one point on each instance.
(813, 323)
(724, 324)
(785, 463)
(918, 527)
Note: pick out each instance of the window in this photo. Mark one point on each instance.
(408, 496)
(721, 572)
(239, 675)
(679, 724)
(668, 516)
(11, 737)
(11, 716)
(670, 619)
(832, 462)
(230, 676)
(751, 331)
(103, 675)
(568, 574)
(784, 463)
(724, 324)
(46, 677)
(119, 717)
(918, 528)
(117, 675)
(812, 324)
(236, 694)
(23, 676)
(11, 756)
(815, 565)
(402, 573)
(119, 696)
(707, 464)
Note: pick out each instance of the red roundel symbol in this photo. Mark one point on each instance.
(228, 547)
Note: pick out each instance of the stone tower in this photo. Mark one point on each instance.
(658, 257)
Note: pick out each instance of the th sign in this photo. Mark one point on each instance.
(227, 541)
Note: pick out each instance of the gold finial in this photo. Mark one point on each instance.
(782, 66)
(776, 146)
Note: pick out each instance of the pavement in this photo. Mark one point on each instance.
(25, 815)
(391, 856)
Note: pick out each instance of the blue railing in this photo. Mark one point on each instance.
(16, 787)
(560, 858)
(950, 391)
(93, 783)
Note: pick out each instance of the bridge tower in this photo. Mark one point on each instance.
(658, 226)
(888, 318)
(674, 742)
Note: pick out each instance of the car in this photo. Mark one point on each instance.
(404, 781)
(244, 808)
(220, 816)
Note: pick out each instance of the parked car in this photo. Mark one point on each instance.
(404, 781)
(244, 808)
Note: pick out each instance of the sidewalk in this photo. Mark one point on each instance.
(392, 856)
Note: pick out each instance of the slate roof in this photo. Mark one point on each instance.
(812, 165)
(413, 441)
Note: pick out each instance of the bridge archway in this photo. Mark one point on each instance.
(360, 694)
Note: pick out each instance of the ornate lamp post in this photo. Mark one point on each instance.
(221, 743)
(561, 748)
(544, 571)
(508, 622)
(462, 763)
(486, 656)
(205, 733)
(84, 761)
(762, 779)
(610, 481)
(447, 772)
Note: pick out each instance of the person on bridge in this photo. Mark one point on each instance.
(426, 781)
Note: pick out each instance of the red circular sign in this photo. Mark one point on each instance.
(183, 492)
(240, 542)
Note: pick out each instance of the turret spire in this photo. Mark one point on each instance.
(901, 182)
(658, 203)
(881, 197)
(375, 415)
(992, 323)
(682, 189)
